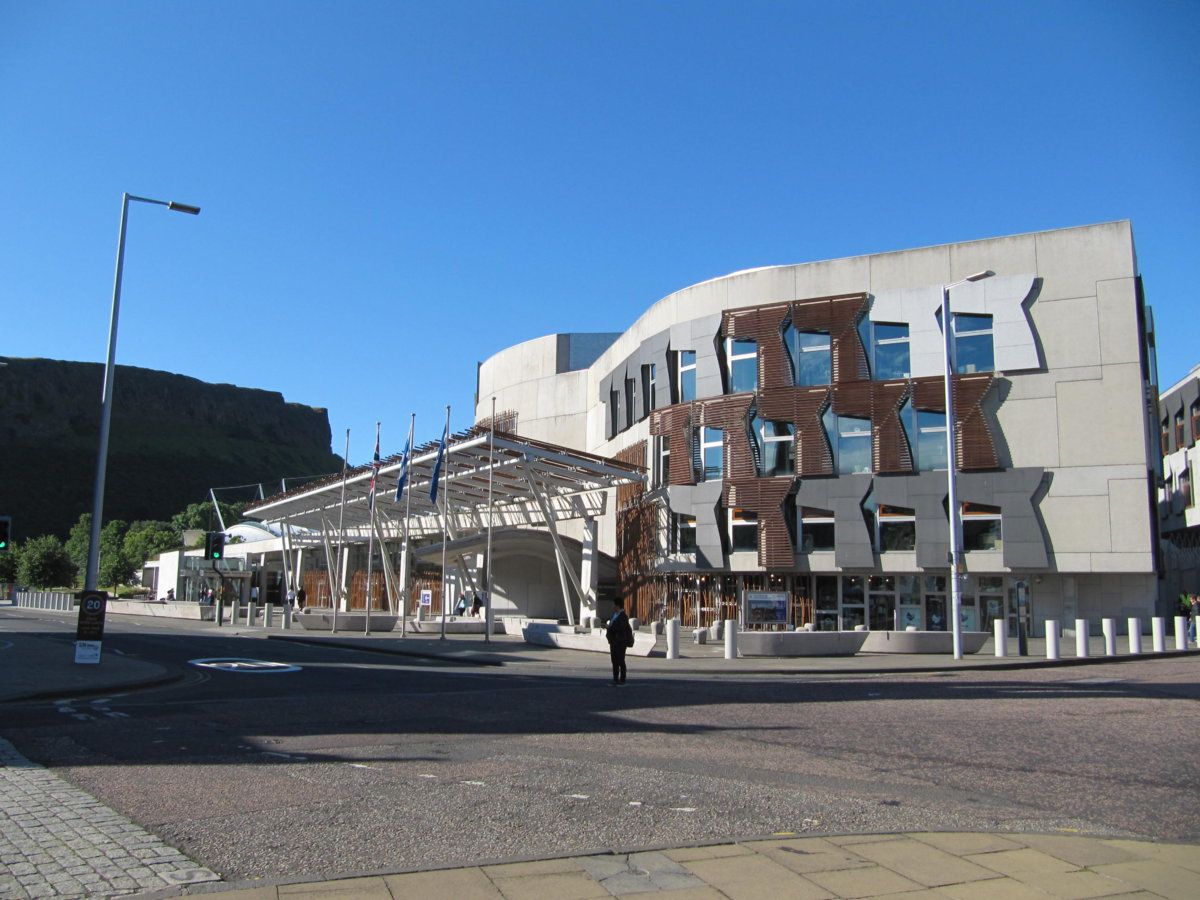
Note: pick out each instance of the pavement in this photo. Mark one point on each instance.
(58, 841)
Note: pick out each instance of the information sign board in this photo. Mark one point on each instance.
(427, 598)
(766, 607)
(89, 630)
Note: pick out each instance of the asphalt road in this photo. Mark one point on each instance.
(360, 762)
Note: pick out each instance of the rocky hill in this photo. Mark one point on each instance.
(172, 438)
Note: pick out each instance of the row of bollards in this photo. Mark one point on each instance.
(730, 630)
(285, 618)
(1158, 627)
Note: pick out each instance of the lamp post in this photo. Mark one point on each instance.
(93, 561)
(956, 553)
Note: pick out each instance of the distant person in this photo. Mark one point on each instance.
(476, 605)
(291, 597)
(254, 593)
(170, 594)
(301, 597)
(461, 606)
(620, 639)
(1194, 619)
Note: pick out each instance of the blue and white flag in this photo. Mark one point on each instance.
(437, 466)
(403, 479)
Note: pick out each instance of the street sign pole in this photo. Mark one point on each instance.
(89, 632)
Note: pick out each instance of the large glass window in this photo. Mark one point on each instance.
(852, 602)
(1196, 422)
(776, 447)
(1179, 439)
(684, 534)
(614, 410)
(896, 528)
(687, 375)
(743, 530)
(711, 455)
(630, 395)
(973, 343)
(1165, 436)
(931, 440)
(981, 527)
(648, 386)
(662, 459)
(1185, 486)
(814, 529)
(742, 357)
(850, 439)
(810, 355)
(889, 351)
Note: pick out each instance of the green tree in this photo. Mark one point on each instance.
(146, 539)
(8, 564)
(45, 563)
(201, 516)
(78, 540)
(115, 566)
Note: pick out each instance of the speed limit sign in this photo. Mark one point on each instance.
(89, 631)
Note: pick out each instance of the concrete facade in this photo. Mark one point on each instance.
(1066, 412)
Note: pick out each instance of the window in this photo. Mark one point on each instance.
(1179, 439)
(810, 355)
(648, 387)
(1185, 486)
(662, 460)
(710, 455)
(687, 375)
(814, 529)
(629, 407)
(684, 534)
(889, 351)
(742, 356)
(1165, 436)
(614, 411)
(1195, 421)
(850, 439)
(743, 530)
(776, 447)
(931, 440)
(973, 343)
(981, 527)
(896, 528)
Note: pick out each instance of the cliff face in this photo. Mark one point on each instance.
(172, 438)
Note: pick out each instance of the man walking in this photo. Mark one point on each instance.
(620, 639)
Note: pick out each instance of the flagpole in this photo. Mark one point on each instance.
(404, 592)
(341, 561)
(487, 581)
(445, 485)
(371, 536)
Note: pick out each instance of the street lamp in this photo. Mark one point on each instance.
(93, 561)
(956, 553)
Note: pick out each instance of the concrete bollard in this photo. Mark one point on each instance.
(1051, 639)
(268, 615)
(1158, 628)
(672, 639)
(251, 612)
(1109, 627)
(700, 636)
(1181, 632)
(1000, 630)
(1135, 636)
(731, 627)
(220, 613)
(1081, 638)
(285, 617)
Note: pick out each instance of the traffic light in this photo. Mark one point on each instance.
(214, 545)
(5, 532)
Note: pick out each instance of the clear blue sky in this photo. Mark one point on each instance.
(394, 192)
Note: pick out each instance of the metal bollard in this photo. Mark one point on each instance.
(1158, 628)
(1109, 627)
(731, 627)
(220, 612)
(1051, 639)
(1135, 636)
(1081, 638)
(1000, 630)
(268, 615)
(672, 639)
(285, 617)
(1181, 632)
(251, 612)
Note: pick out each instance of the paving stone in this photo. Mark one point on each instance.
(1082, 852)
(718, 851)
(1161, 878)
(461, 884)
(756, 876)
(545, 866)
(927, 866)
(348, 888)
(551, 886)
(869, 882)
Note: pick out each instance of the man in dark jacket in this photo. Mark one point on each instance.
(620, 639)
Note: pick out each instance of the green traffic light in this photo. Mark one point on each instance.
(216, 554)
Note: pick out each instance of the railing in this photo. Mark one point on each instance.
(57, 600)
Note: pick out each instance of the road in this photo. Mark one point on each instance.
(358, 762)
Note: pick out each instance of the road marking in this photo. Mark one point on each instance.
(577, 796)
(683, 809)
(477, 783)
(424, 775)
(635, 802)
(244, 666)
(284, 755)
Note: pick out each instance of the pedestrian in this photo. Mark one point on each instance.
(254, 593)
(1194, 618)
(301, 597)
(291, 597)
(620, 639)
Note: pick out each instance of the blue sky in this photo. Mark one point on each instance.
(393, 192)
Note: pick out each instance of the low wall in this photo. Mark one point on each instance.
(800, 643)
(315, 619)
(922, 642)
(177, 610)
(454, 625)
(554, 635)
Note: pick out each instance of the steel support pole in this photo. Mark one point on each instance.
(951, 479)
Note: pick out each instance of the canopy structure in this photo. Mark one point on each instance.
(534, 485)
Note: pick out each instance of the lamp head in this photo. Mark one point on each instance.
(184, 208)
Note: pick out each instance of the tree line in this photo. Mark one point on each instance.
(48, 562)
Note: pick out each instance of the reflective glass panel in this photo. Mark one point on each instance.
(931, 440)
(853, 445)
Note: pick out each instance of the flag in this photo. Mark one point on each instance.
(437, 466)
(374, 471)
(403, 479)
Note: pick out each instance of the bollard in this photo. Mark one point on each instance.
(251, 612)
(672, 639)
(220, 612)
(1110, 636)
(1081, 638)
(285, 617)
(731, 627)
(268, 615)
(1158, 627)
(1051, 639)
(1000, 630)
(1135, 636)
(1181, 632)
